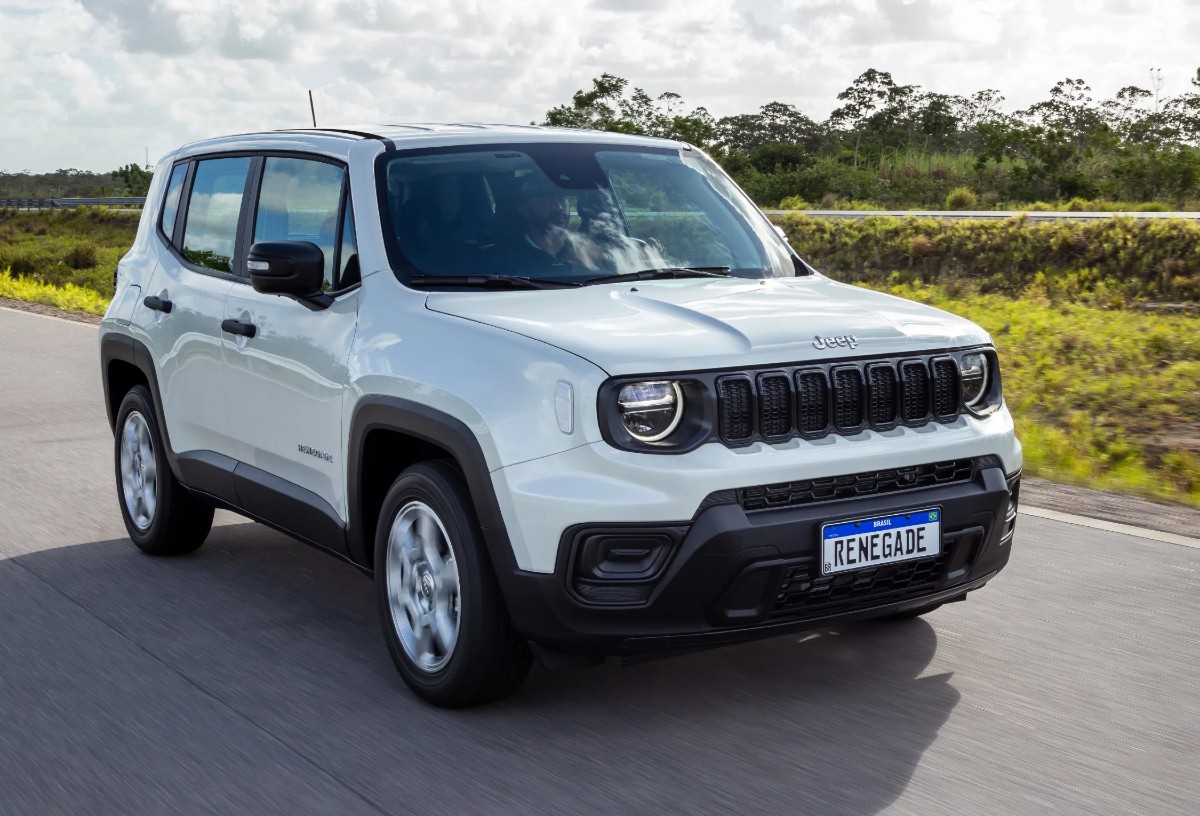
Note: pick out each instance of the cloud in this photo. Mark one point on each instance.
(155, 29)
(88, 83)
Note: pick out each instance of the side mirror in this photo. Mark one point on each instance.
(294, 269)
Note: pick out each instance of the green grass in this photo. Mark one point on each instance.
(1101, 398)
(69, 296)
(57, 247)
(1114, 262)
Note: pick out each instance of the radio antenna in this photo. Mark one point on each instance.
(312, 109)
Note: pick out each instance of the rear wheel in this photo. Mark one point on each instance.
(443, 616)
(161, 515)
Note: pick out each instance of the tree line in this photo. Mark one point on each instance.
(128, 180)
(901, 145)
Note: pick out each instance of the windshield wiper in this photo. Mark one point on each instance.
(490, 281)
(663, 272)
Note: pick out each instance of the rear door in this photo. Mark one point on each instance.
(196, 246)
(285, 385)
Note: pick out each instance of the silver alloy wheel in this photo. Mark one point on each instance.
(139, 475)
(422, 586)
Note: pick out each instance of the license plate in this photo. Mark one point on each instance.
(869, 542)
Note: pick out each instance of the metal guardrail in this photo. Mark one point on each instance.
(987, 215)
(67, 203)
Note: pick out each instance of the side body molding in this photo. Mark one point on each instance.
(435, 428)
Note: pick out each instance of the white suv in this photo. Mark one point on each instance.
(563, 393)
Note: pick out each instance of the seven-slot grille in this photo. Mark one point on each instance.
(842, 398)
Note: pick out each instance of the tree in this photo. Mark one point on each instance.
(134, 179)
(607, 107)
(875, 107)
(775, 123)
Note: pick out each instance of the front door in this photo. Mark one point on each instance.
(285, 385)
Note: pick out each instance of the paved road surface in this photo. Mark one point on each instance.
(251, 678)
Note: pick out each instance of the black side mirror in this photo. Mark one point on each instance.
(294, 269)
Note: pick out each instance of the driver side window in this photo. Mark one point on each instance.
(299, 200)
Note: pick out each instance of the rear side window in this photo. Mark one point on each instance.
(171, 202)
(210, 231)
(299, 201)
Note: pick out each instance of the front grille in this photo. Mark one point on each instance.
(881, 399)
(854, 485)
(736, 402)
(812, 402)
(804, 590)
(914, 379)
(945, 387)
(775, 405)
(842, 398)
(847, 399)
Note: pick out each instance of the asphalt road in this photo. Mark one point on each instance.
(250, 677)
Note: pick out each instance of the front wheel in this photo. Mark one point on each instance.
(443, 616)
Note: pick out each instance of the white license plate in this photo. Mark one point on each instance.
(869, 542)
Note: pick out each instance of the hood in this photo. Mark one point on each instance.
(697, 324)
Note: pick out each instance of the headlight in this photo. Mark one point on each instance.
(975, 377)
(650, 411)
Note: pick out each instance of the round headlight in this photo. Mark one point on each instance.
(650, 411)
(973, 372)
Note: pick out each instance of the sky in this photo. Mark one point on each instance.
(95, 84)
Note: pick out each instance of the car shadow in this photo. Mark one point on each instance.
(834, 721)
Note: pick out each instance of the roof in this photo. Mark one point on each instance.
(335, 140)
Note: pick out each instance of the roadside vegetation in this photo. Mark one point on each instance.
(1111, 263)
(1101, 398)
(58, 247)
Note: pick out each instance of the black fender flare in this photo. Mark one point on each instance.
(122, 347)
(436, 428)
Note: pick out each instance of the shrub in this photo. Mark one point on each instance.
(81, 256)
(961, 198)
(1117, 260)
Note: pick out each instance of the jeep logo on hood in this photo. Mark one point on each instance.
(830, 342)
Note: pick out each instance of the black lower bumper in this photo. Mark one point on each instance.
(732, 574)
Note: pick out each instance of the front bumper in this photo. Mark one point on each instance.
(738, 570)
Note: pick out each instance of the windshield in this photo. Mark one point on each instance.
(571, 213)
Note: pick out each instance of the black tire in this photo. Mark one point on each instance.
(488, 660)
(180, 520)
(910, 614)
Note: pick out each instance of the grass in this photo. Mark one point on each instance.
(1101, 398)
(1103, 395)
(69, 296)
(1114, 262)
(57, 247)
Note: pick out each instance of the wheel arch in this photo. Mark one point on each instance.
(124, 363)
(387, 435)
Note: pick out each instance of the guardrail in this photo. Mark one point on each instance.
(989, 215)
(66, 203)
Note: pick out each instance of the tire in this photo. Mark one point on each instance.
(161, 515)
(910, 614)
(453, 648)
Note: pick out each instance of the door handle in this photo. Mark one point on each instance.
(158, 304)
(232, 326)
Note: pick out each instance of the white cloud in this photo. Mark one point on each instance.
(88, 83)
